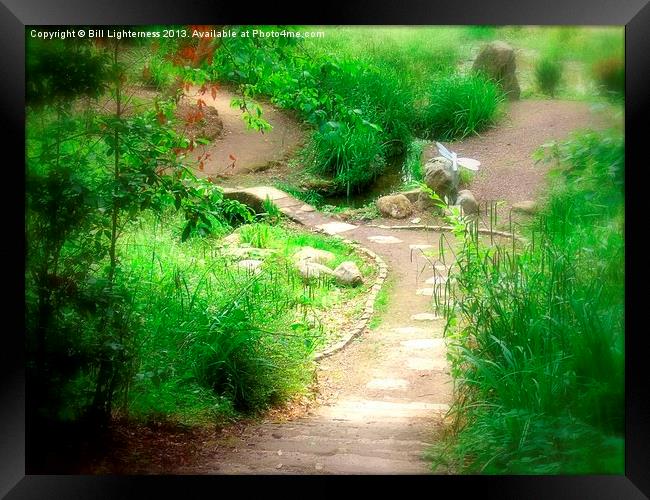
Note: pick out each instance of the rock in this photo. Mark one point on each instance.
(527, 207)
(347, 273)
(313, 255)
(309, 270)
(250, 265)
(417, 220)
(496, 60)
(396, 206)
(467, 202)
(232, 239)
(426, 204)
(412, 195)
(439, 177)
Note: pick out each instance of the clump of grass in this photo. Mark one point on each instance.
(536, 334)
(459, 106)
(548, 74)
(610, 76)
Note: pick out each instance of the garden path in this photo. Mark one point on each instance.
(381, 399)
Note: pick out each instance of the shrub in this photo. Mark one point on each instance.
(536, 333)
(548, 73)
(459, 106)
(610, 76)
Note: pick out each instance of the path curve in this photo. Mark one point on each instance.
(253, 150)
(382, 397)
(508, 172)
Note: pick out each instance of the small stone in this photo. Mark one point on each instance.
(417, 220)
(527, 207)
(425, 317)
(467, 202)
(347, 273)
(250, 265)
(425, 291)
(279, 466)
(384, 239)
(319, 466)
(279, 453)
(335, 227)
(310, 270)
(396, 206)
(313, 255)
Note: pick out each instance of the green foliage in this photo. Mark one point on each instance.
(459, 106)
(58, 71)
(548, 74)
(158, 73)
(364, 110)
(610, 75)
(537, 334)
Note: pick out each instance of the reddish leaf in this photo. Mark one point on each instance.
(201, 166)
(232, 157)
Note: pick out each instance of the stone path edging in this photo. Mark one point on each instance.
(504, 234)
(369, 308)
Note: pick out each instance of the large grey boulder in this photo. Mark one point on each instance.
(309, 270)
(467, 202)
(439, 176)
(396, 206)
(347, 273)
(496, 60)
(313, 255)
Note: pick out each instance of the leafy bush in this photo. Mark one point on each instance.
(537, 335)
(548, 73)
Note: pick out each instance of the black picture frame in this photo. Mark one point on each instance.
(15, 15)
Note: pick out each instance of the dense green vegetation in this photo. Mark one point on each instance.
(134, 306)
(136, 303)
(537, 333)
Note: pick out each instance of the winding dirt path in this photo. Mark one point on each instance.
(508, 172)
(252, 150)
(384, 396)
(381, 398)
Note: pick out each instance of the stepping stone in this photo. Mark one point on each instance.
(307, 208)
(408, 330)
(262, 192)
(420, 247)
(441, 267)
(436, 280)
(422, 343)
(422, 364)
(425, 291)
(387, 383)
(384, 239)
(336, 227)
(250, 264)
(425, 317)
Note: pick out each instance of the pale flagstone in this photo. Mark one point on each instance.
(420, 247)
(336, 227)
(441, 267)
(421, 364)
(436, 280)
(307, 208)
(425, 317)
(425, 291)
(384, 239)
(387, 383)
(364, 409)
(422, 343)
(262, 192)
(407, 330)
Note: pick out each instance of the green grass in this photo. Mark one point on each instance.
(537, 338)
(381, 303)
